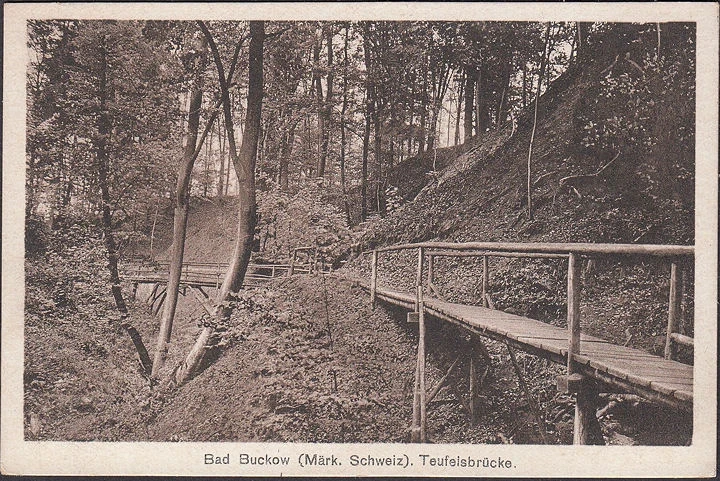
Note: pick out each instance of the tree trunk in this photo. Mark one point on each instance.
(377, 157)
(182, 199)
(369, 114)
(423, 113)
(325, 115)
(503, 104)
(470, 76)
(285, 153)
(365, 155)
(221, 172)
(543, 62)
(244, 162)
(182, 196)
(317, 87)
(343, 140)
(208, 157)
(482, 120)
(104, 129)
(461, 83)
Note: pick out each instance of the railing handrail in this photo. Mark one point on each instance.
(578, 248)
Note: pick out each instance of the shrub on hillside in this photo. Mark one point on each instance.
(71, 274)
(644, 109)
(36, 236)
(306, 218)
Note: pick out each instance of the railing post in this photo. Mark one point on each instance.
(292, 264)
(421, 363)
(419, 277)
(573, 310)
(473, 385)
(420, 394)
(586, 429)
(373, 278)
(485, 281)
(431, 269)
(673, 308)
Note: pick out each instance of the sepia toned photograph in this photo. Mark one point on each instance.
(260, 242)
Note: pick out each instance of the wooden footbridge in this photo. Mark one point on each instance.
(198, 275)
(593, 365)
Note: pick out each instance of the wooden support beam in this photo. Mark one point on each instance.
(577, 248)
(151, 298)
(421, 357)
(373, 279)
(292, 264)
(431, 270)
(573, 310)
(156, 296)
(587, 428)
(479, 347)
(419, 277)
(203, 300)
(570, 384)
(673, 310)
(483, 253)
(473, 387)
(435, 291)
(485, 281)
(161, 300)
(418, 433)
(434, 391)
(415, 428)
(534, 408)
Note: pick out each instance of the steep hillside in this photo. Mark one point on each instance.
(481, 195)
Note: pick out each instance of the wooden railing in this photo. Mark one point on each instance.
(574, 252)
(214, 272)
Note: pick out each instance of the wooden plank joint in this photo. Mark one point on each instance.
(572, 383)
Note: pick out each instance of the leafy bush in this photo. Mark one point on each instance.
(71, 275)
(306, 218)
(36, 236)
(645, 111)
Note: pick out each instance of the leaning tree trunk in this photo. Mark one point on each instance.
(221, 170)
(182, 200)
(244, 162)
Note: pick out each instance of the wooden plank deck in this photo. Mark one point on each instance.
(630, 370)
(208, 274)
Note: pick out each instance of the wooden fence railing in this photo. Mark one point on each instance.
(212, 273)
(573, 252)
